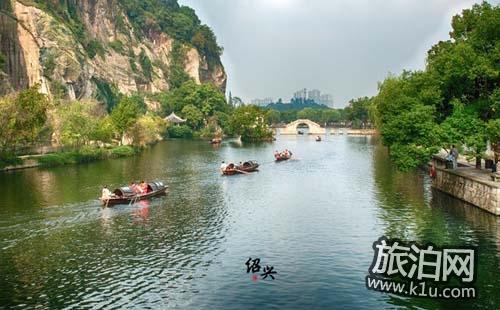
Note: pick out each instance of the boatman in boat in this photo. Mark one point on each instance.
(143, 187)
(223, 167)
(106, 193)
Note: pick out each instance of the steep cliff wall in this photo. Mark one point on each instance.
(88, 48)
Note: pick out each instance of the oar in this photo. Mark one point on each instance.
(133, 200)
(241, 171)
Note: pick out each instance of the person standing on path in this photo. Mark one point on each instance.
(454, 156)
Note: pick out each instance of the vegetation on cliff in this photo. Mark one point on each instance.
(181, 22)
(455, 100)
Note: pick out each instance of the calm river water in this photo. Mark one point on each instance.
(313, 219)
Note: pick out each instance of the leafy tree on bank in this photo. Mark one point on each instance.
(125, 114)
(22, 117)
(78, 123)
(273, 116)
(309, 113)
(193, 116)
(359, 111)
(198, 104)
(453, 100)
(250, 123)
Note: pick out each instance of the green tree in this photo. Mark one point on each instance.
(406, 120)
(310, 113)
(464, 127)
(146, 65)
(193, 116)
(30, 114)
(249, 122)
(359, 110)
(79, 122)
(125, 114)
(330, 116)
(273, 116)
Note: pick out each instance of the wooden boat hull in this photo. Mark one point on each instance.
(242, 169)
(128, 199)
(282, 158)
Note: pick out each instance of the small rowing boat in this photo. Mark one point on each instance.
(281, 156)
(125, 195)
(318, 139)
(246, 167)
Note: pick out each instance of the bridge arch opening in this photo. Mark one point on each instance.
(302, 128)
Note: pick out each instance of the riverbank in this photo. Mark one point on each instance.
(469, 184)
(83, 155)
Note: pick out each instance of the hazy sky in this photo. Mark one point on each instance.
(343, 47)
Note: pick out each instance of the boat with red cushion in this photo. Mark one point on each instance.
(283, 156)
(125, 195)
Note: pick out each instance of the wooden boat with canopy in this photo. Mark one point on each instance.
(246, 167)
(125, 195)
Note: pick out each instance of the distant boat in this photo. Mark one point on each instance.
(300, 132)
(125, 195)
(283, 157)
(216, 141)
(318, 138)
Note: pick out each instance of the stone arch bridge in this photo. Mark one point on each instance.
(314, 128)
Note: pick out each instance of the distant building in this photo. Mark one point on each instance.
(262, 102)
(315, 95)
(326, 99)
(300, 94)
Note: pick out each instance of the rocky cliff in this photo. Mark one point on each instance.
(79, 49)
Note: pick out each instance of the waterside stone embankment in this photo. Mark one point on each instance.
(469, 184)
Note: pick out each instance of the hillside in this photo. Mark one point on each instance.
(95, 48)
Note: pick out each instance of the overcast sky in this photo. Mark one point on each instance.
(343, 47)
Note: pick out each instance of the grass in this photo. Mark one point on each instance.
(84, 155)
(9, 161)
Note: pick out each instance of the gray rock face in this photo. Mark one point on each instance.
(41, 49)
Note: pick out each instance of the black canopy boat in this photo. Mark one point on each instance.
(246, 167)
(125, 195)
(318, 139)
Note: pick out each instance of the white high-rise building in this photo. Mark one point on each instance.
(314, 94)
(262, 102)
(327, 100)
(300, 94)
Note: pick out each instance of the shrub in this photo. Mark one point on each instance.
(146, 65)
(94, 47)
(9, 160)
(182, 131)
(117, 46)
(123, 151)
(88, 154)
(51, 160)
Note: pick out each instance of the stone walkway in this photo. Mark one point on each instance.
(468, 169)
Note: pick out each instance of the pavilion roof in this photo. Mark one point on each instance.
(174, 118)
